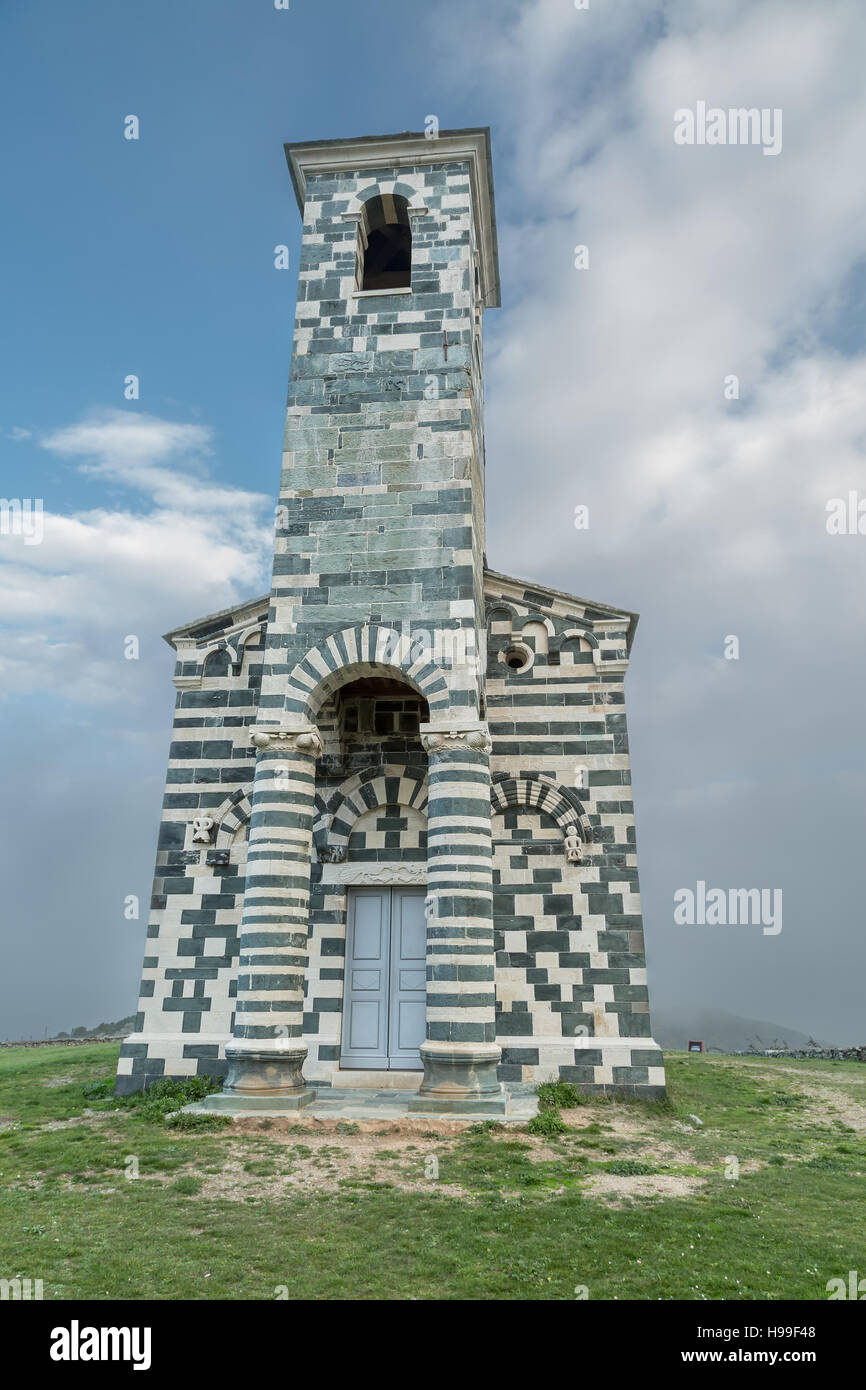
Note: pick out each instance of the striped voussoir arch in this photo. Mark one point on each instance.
(367, 199)
(234, 812)
(584, 635)
(519, 620)
(534, 793)
(388, 785)
(363, 650)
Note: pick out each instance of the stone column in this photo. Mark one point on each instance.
(460, 1054)
(266, 1053)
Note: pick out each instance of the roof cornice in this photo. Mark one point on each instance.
(608, 613)
(225, 618)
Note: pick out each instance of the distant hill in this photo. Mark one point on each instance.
(102, 1030)
(674, 1028)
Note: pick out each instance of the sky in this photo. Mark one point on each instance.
(695, 378)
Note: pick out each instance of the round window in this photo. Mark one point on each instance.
(518, 657)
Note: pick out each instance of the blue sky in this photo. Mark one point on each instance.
(155, 257)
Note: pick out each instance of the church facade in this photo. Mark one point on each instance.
(397, 845)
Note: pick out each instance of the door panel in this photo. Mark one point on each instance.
(364, 1041)
(407, 1015)
(385, 1001)
(366, 979)
(412, 979)
(371, 924)
(365, 1028)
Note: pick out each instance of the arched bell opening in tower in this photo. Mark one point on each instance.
(387, 257)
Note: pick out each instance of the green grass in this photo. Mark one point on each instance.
(548, 1121)
(557, 1095)
(512, 1215)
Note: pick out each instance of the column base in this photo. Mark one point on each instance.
(269, 1069)
(460, 1078)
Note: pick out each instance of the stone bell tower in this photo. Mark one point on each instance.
(379, 565)
(375, 857)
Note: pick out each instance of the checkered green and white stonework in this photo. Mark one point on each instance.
(464, 775)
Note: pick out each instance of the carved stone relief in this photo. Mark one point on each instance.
(375, 873)
(202, 827)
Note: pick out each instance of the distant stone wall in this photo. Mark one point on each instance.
(824, 1054)
(66, 1042)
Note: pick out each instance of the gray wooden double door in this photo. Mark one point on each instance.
(385, 998)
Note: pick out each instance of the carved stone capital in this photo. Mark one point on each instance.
(280, 740)
(473, 736)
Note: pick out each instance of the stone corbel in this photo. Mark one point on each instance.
(287, 739)
(472, 736)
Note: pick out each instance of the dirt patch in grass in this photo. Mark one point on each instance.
(325, 1162)
(380, 1155)
(623, 1126)
(87, 1117)
(802, 1072)
(843, 1107)
(820, 1086)
(414, 1125)
(616, 1188)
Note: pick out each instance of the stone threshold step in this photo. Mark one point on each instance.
(372, 1081)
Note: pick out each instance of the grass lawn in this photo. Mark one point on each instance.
(763, 1199)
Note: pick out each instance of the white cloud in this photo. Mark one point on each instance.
(157, 457)
(704, 262)
(123, 440)
(187, 548)
(605, 387)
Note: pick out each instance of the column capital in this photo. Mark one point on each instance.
(301, 738)
(468, 735)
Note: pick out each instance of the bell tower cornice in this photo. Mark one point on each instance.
(412, 149)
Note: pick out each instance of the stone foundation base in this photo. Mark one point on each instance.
(440, 1105)
(627, 1066)
(236, 1103)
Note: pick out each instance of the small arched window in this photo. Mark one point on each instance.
(386, 262)
(217, 663)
